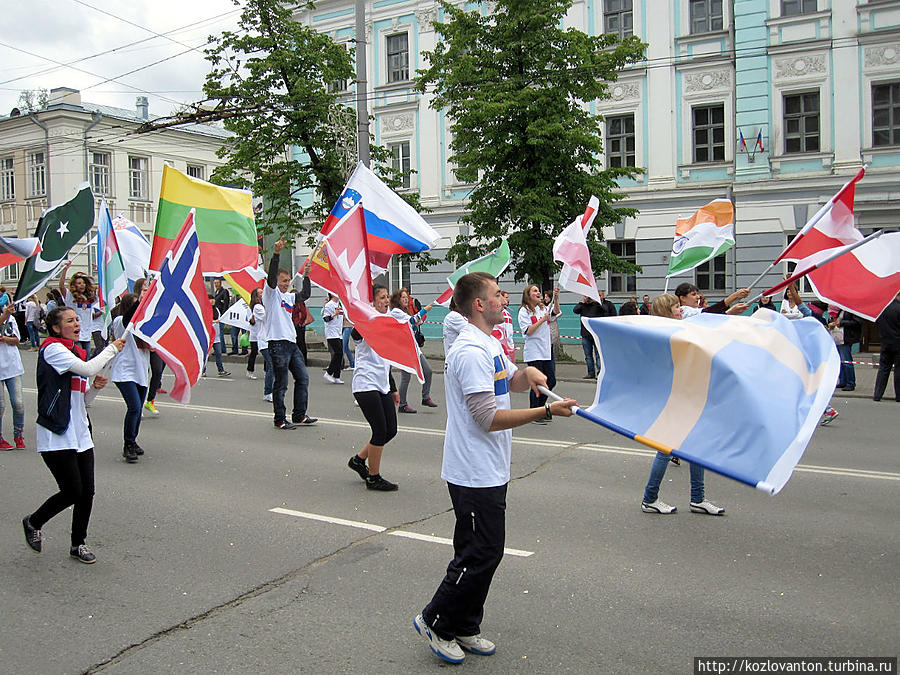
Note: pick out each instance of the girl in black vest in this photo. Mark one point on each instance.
(63, 432)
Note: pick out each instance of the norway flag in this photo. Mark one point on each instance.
(175, 317)
(392, 225)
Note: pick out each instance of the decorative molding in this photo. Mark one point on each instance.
(800, 66)
(397, 123)
(707, 81)
(425, 19)
(625, 91)
(882, 56)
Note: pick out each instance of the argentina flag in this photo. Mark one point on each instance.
(739, 395)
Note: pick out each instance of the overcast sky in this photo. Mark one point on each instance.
(36, 36)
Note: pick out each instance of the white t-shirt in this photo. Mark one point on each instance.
(32, 311)
(537, 345)
(132, 364)
(474, 457)
(10, 359)
(279, 306)
(687, 311)
(334, 327)
(258, 327)
(792, 313)
(454, 322)
(77, 436)
(372, 373)
(85, 312)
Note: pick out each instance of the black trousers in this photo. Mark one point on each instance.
(74, 474)
(890, 358)
(380, 413)
(336, 347)
(548, 368)
(478, 539)
(251, 358)
(157, 366)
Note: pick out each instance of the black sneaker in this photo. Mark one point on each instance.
(428, 403)
(83, 554)
(32, 536)
(376, 482)
(138, 450)
(129, 454)
(285, 425)
(358, 464)
(306, 420)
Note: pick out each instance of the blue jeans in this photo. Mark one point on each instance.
(14, 387)
(286, 357)
(847, 378)
(133, 393)
(345, 338)
(222, 346)
(217, 352)
(33, 333)
(235, 336)
(591, 355)
(658, 470)
(269, 381)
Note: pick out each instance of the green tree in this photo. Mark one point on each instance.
(33, 100)
(295, 142)
(514, 84)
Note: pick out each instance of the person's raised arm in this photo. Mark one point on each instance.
(62, 278)
(272, 279)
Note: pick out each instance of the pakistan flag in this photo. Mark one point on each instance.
(59, 229)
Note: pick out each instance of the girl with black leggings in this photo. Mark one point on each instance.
(63, 435)
(374, 390)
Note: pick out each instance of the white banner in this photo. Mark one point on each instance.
(237, 315)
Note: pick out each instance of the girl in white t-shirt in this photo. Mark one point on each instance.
(130, 374)
(375, 392)
(67, 448)
(81, 296)
(534, 322)
(333, 316)
(11, 371)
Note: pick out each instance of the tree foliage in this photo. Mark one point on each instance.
(33, 100)
(515, 85)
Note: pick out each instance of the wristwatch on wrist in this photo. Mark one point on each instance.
(547, 414)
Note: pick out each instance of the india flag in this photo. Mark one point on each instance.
(224, 222)
(703, 236)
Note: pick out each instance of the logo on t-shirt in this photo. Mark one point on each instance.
(289, 308)
(501, 377)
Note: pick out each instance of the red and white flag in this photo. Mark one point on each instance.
(571, 249)
(832, 226)
(341, 266)
(863, 280)
(14, 250)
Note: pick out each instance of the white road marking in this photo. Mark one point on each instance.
(379, 528)
(533, 442)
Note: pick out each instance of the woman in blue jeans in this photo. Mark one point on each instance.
(130, 373)
(668, 305)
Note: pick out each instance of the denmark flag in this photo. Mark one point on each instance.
(571, 249)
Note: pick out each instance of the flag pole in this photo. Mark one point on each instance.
(606, 424)
(821, 263)
(666, 287)
(764, 273)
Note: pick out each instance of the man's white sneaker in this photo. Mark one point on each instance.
(476, 644)
(267, 397)
(328, 378)
(707, 507)
(657, 507)
(448, 650)
(250, 376)
(338, 380)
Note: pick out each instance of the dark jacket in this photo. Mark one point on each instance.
(629, 309)
(852, 328)
(54, 396)
(889, 325)
(593, 309)
(222, 299)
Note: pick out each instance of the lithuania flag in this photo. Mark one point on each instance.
(224, 222)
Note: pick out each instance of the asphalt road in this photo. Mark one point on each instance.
(197, 574)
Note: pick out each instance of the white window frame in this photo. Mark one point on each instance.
(7, 179)
(37, 174)
(389, 70)
(11, 273)
(100, 170)
(711, 272)
(401, 162)
(199, 171)
(621, 13)
(138, 177)
(803, 135)
(626, 278)
(624, 137)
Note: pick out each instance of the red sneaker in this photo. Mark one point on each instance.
(4, 445)
(20, 443)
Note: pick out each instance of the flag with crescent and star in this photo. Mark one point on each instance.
(58, 230)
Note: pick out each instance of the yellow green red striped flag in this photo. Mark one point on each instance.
(224, 222)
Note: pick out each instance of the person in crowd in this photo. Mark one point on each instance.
(222, 301)
(4, 298)
(157, 365)
(534, 323)
(476, 467)
(282, 345)
(588, 307)
(645, 306)
(551, 301)
(98, 326)
(888, 323)
(792, 303)
(346, 331)
(503, 332)
(453, 323)
(258, 322)
(765, 302)
(52, 302)
(253, 334)
(629, 307)
(11, 371)
(216, 342)
(63, 435)
(403, 307)
(851, 327)
(670, 306)
(81, 296)
(130, 374)
(689, 297)
(300, 315)
(32, 321)
(374, 390)
(333, 315)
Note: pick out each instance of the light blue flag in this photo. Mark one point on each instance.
(739, 395)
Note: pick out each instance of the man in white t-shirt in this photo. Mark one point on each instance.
(477, 447)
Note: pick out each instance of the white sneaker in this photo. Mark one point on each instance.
(448, 650)
(251, 376)
(707, 507)
(328, 378)
(267, 397)
(657, 507)
(338, 380)
(476, 644)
